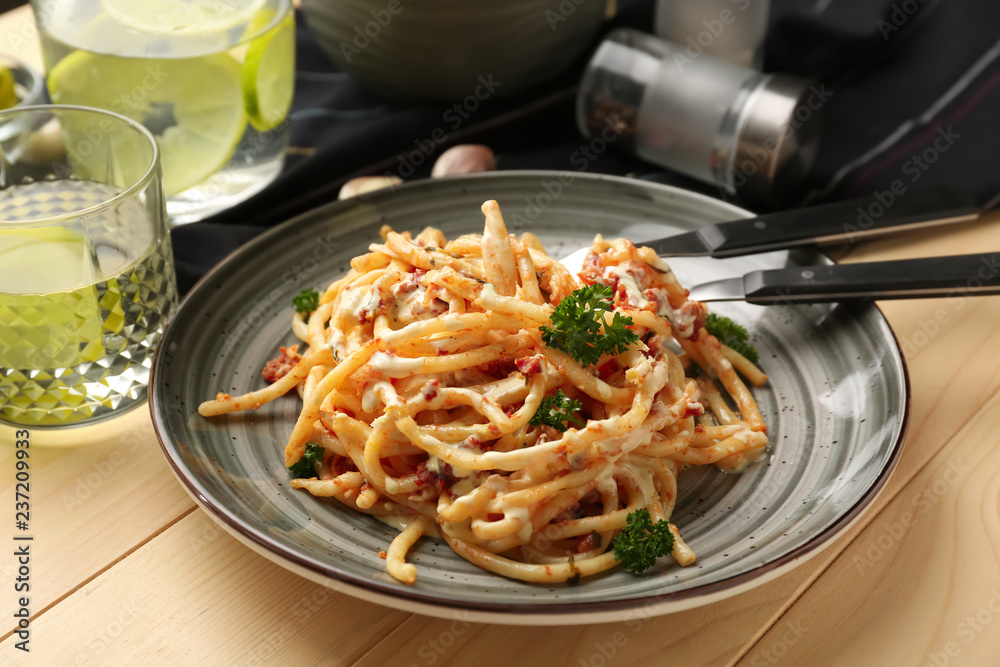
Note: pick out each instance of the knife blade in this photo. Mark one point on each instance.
(840, 221)
(957, 275)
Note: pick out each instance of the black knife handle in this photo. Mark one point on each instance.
(958, 275)
(841, 221)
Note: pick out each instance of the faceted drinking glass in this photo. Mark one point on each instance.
(86, 272)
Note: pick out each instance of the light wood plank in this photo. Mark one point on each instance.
(20, 36)
(922, 584)
(90, 505)
(706, 636)
(195, 595)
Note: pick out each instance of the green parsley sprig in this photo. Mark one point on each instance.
(576, 326)
(307, 301)
(305, 468)
(555, 410)
(731, 334)
(640, 543)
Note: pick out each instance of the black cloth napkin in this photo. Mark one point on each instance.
(911, 90)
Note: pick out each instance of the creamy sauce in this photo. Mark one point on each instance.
(337, 339)
(396, 367)
(682, 323)
(625, 276)
(401, 523)
(412, 307)
(370, 399)
(356, 301)
(462, 487)
(434, 465)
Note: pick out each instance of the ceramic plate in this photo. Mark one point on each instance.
(835, 405)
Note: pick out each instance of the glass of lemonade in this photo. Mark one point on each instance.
(211, 79)
(86, 273)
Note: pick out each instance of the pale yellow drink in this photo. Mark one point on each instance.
(86, 271)
(80, 314)
(212, 81)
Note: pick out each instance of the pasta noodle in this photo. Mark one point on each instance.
(425, 365)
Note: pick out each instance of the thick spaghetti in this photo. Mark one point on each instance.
(425, 366)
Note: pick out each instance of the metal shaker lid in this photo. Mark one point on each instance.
(778, 139)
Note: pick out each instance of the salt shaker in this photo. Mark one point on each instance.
(744, 131)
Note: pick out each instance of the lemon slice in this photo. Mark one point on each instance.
(8, 96)
(48, 306)
(269, 73)
(177, 17)
(193, 106)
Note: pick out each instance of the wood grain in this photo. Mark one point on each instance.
(921, 585)
(90, 505)
(197, 596)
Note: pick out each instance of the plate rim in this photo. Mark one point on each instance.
(554, 612)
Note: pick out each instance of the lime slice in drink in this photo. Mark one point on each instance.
(269, 73)
(48, 305)
(193, 106)
(8, 96)
(162, 17)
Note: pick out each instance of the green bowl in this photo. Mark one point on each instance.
(453, 49)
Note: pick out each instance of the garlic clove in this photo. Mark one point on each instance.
(464, 159)
(363, 184)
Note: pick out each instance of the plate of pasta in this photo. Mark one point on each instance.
(407, 397)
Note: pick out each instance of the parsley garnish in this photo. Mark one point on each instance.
(731, 334)
(640, 543)
(555, 410)
(577, 324)
(305, 468)
(307, 301)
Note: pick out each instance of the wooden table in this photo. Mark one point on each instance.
(125, 570)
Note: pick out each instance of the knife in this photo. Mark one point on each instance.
(958, 275)
(839, 221)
